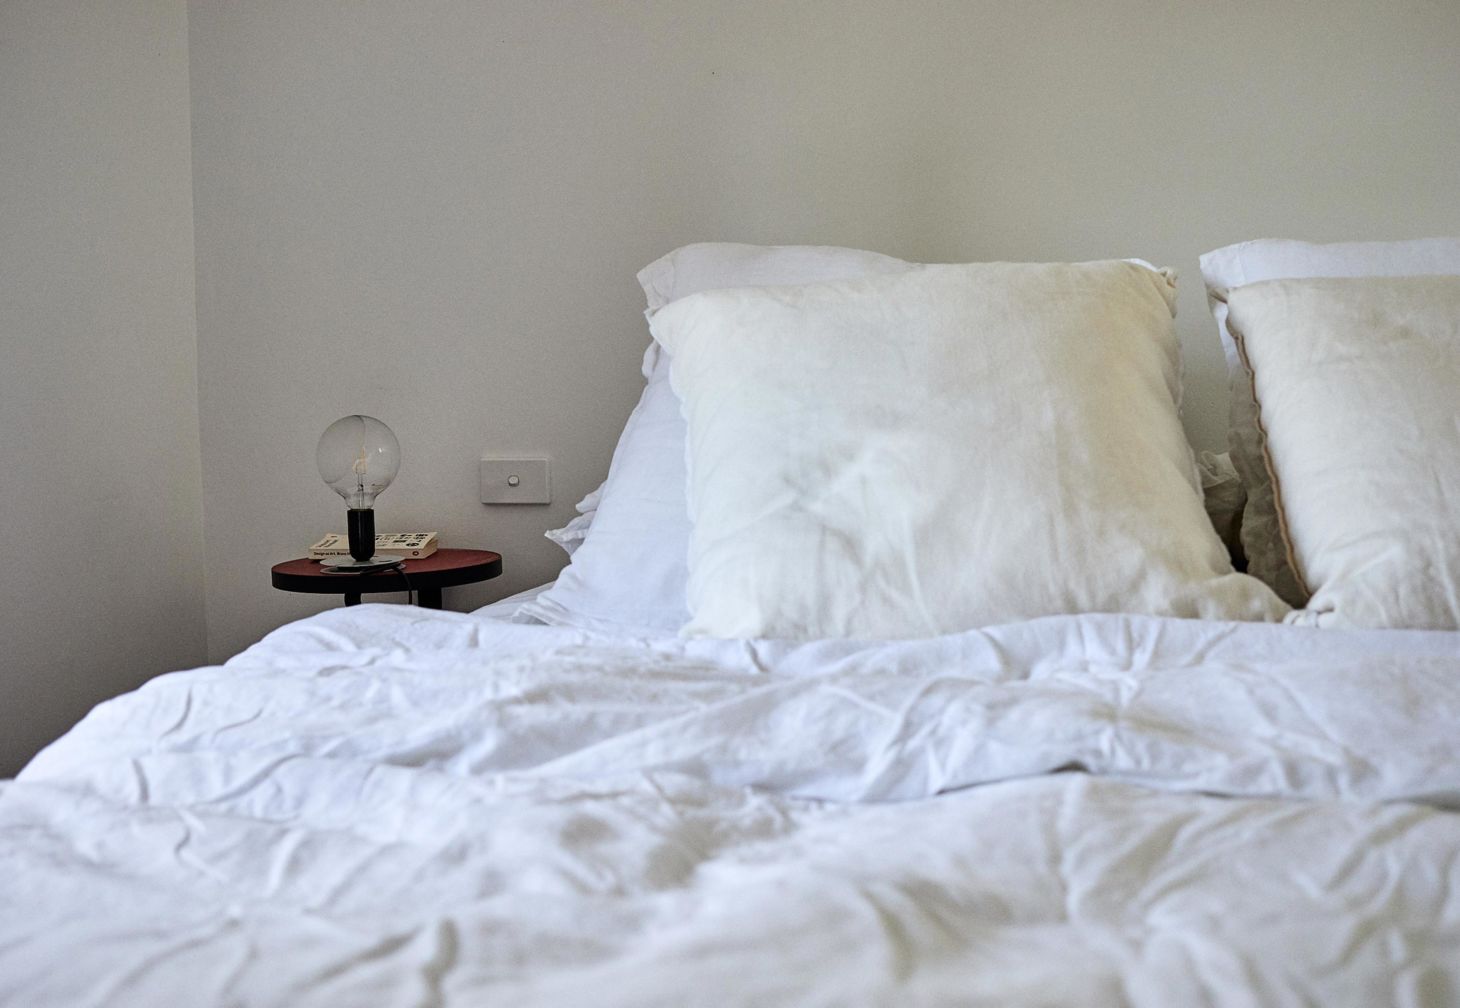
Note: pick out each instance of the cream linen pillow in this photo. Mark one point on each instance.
(1357, 383)
(1284, 259)
(944, 448)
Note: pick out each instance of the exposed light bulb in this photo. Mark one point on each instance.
(358, 457)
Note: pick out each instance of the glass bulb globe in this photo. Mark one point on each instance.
(358, 456)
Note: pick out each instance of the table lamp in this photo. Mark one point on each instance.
(358, 456)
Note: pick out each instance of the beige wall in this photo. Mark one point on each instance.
(101, 573)
(433, 212)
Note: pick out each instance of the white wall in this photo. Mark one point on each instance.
(433, 212)
(101, 580)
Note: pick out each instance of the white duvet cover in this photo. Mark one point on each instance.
(385, 806)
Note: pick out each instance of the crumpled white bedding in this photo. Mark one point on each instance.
(389, 806)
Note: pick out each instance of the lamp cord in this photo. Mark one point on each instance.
(400, 569)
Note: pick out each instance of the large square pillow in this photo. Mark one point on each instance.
(628, 572)
(1357, 386)
(1277, 259)
(941, 448)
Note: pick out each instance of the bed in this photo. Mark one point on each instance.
(569, 798)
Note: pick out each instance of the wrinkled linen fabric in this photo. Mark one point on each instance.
(1276, 259)
(930, 451)
(571, 535)
(389, 806)
(1357, 382)
(630, 574)
(1224, 497)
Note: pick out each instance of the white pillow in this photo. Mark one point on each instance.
(1275, 259)
(629, 573)
(571, 535)
(938, 449)
(1357, 383)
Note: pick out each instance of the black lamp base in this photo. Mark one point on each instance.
(363, 558)
(361, 530)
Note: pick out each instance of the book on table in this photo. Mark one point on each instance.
(407, 545)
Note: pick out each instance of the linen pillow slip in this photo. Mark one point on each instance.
(1357, 386)
(1277, 259)
(941, 448)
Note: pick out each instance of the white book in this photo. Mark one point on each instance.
(410, 545)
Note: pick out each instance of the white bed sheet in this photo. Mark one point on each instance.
(387, 806)
(508, 608)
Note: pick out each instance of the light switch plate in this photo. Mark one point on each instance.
(515, 481)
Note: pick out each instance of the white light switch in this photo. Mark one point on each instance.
(515, 481)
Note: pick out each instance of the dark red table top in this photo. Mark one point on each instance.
(442, 569)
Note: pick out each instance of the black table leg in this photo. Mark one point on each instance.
(352, 598)
(428, 598)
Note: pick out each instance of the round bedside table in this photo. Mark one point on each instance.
(445, 568)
